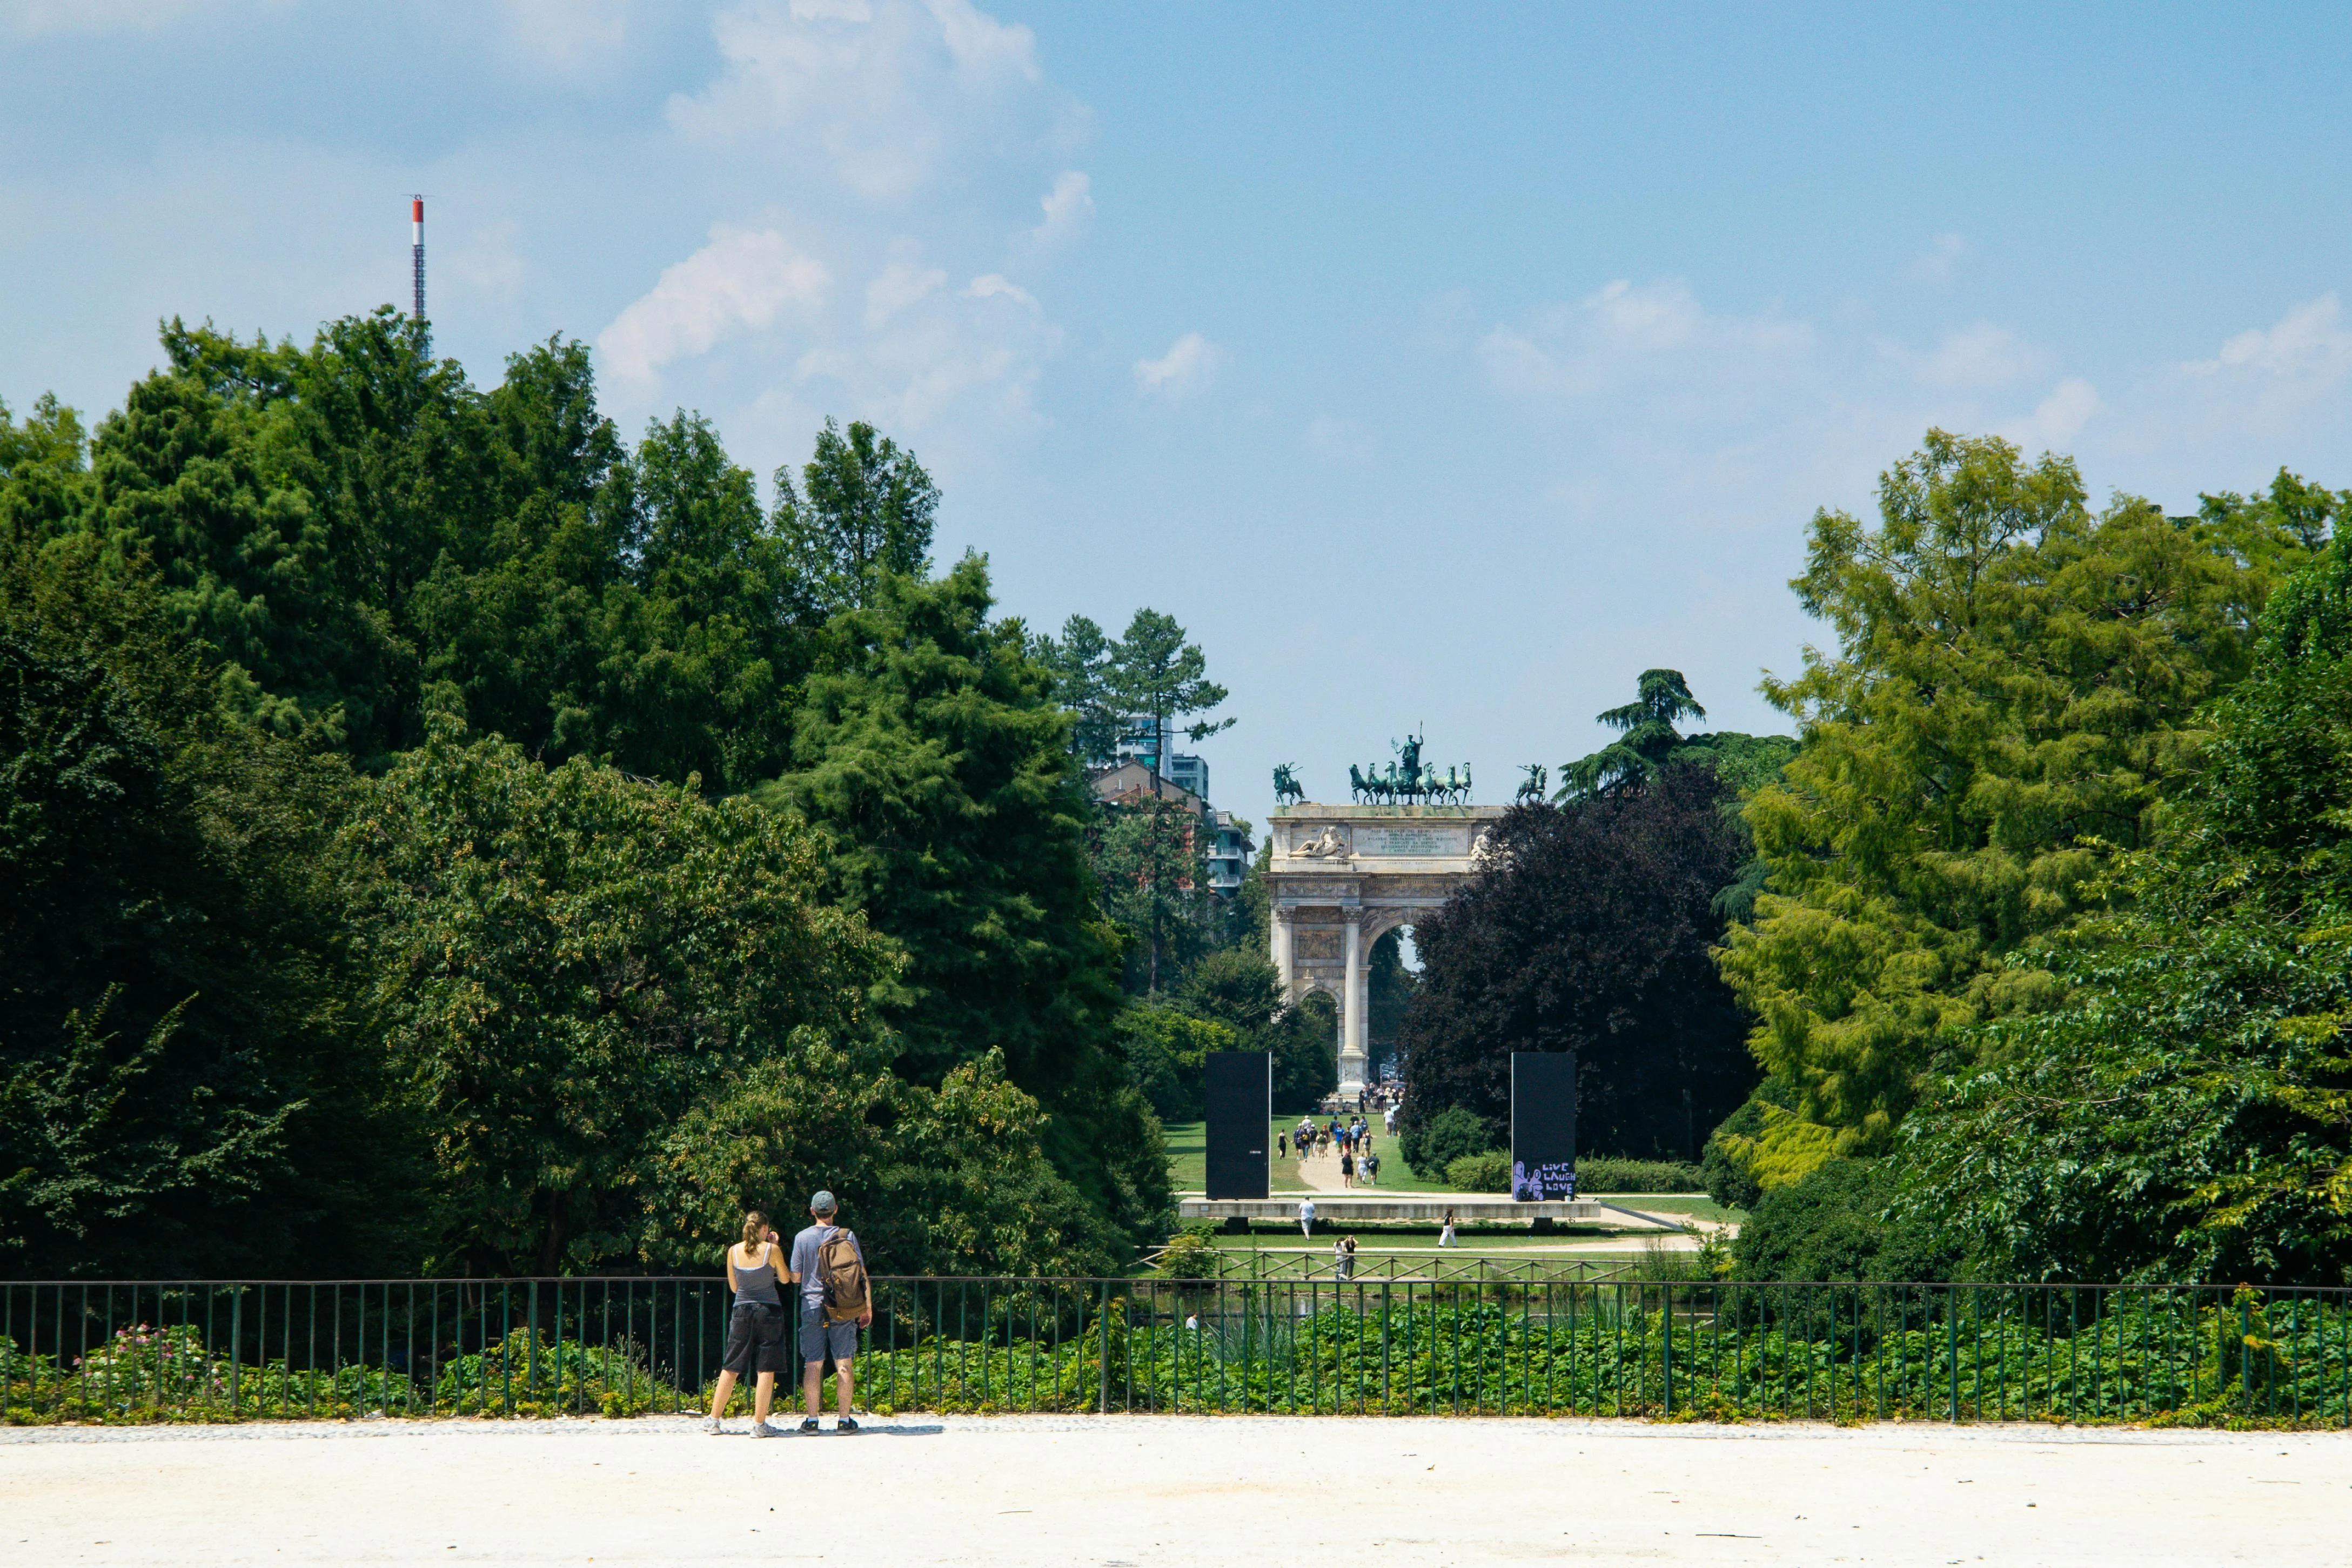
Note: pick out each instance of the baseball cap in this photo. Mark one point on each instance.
(823, 1203)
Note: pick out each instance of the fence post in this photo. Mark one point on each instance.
(1952, 1340)
(235, 1334)
(1102, 1360)
(2245, 1349)
(1668, 1358)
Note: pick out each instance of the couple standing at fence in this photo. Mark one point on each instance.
(828, 1268)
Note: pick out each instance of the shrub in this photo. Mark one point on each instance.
(1833, 1225)
(1487, 1173)
(1609, 1173)
(1443, 1139)
(1190, 1255)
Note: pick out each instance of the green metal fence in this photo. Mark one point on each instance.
(146, 1350)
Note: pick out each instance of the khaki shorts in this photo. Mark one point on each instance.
(819, 1338)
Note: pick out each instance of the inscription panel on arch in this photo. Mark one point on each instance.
(1401, 841)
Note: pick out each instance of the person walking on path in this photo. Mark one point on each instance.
(1388, 1119)
(1445, 1236)
(836, 1302)
(1372, 1170)
(755, 1333)
(1307, 1216)
(1346, 1169)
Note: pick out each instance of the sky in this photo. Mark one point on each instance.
(1440, 368)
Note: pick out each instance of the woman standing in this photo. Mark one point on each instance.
(1445, 1236)
(755, 1335)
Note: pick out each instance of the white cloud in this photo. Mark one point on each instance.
(33, 18)
(2059, 417)
(885, 95)
(1341, 441)
(1941, 260)
(566, 35)
(1625, 333)
(741, 281)
(1982, 357)
(1069, 206)
(1190, 363)
(996, 285)
(2310, 344)
(898, 286)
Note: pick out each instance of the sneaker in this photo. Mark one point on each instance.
(710, 1425)
(808, 1425)
(761, 1429)
(844, 1424)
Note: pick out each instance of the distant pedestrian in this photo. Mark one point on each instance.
(1388, 1119)
(1372, 1170)
(837, 1301)
(755, 1331)
(1282, 1145)
(1307, 1216)
(1445, 1236)
(1343, 1259)
(1346, 1169)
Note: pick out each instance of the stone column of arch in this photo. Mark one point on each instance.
(1352, 1008)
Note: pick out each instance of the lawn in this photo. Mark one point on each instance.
(1188, 1160)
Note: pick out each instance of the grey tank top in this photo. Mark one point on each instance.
(757, 1284)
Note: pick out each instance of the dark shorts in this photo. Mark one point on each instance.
(755, 1339)
(819, 1338)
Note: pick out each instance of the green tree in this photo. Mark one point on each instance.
(1647, 737)
(348, 524)
(1080, 660)
(863, 509)
(945, 1181)
(936, 765)
(2188, 1112)
(183, 1090)
(1151, 860)
(2016, 682)
(1167, 1049)
(567, 964)
(44, 471)
(1156, 675)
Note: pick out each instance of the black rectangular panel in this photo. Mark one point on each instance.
(1543, 1125)
(1240, 1109)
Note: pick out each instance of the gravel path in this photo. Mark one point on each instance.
(1143, 1492)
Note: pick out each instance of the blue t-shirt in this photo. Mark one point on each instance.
(808, 1246)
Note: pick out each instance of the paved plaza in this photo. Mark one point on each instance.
(1140, 1492)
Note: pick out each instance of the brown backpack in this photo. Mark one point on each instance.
(843, 1272)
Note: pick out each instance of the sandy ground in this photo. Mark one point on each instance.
(1139, 1491)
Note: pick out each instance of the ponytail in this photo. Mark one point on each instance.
(755, 1230)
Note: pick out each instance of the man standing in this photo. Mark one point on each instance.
(1306, 1219)
(824, 1254)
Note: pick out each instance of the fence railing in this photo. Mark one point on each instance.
(179, 1351)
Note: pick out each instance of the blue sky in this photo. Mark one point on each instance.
(1443, 365)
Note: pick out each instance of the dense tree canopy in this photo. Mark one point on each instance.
(345, 547)
(1587, 930)
(935, 762)
(2017, 680)
(182, 1087)
(568, 963)
(2188, 1111)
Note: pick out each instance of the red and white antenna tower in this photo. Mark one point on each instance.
(416, 251)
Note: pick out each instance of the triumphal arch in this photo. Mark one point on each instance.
(1340, 876)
